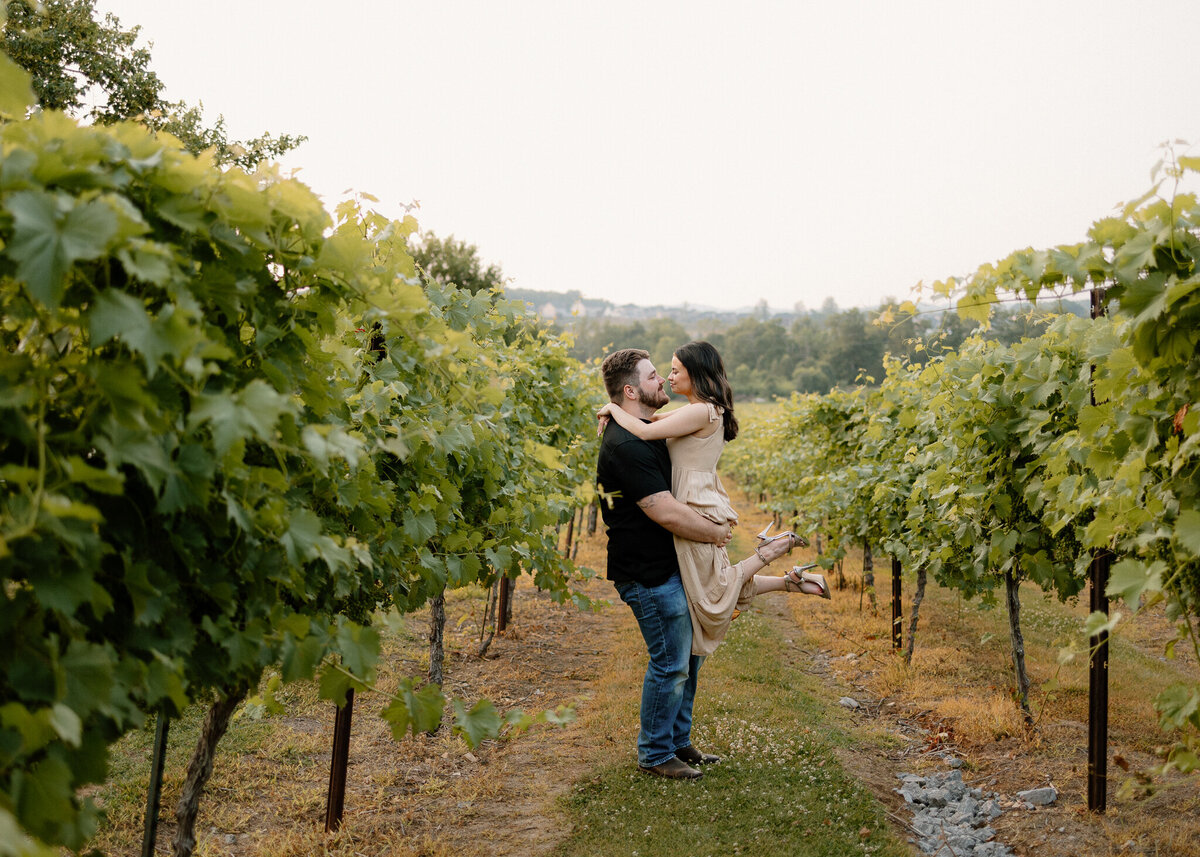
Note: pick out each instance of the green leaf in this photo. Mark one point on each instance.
(116, 313)
(63, 588)
(301, 657)
(335, 683)
(1177, 705)
(45, 796)
(1130, 578)
(81, 472)
(148, 262)
(420, 527)
(1187, 530)
(252, 412)
(66, 724)
(359, 647)
(1184, 760)
(303, 533)
(482, 721)
(16, 93)
(163, 682)
(425, 707)
(14, 841)
(345, 250)
(296, 624)
(421, 710)
(124, 386)
(1066, 655)
(1097, 623)
(65, 507)
(35, 727)
(46, 241)
(976, 307)
(518, 720)
(266, 701)
(560, 716)
(89, 676)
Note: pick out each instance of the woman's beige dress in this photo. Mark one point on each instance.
(713, 586)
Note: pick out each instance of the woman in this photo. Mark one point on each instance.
(696, 435)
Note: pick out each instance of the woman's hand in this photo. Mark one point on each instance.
(603, 417)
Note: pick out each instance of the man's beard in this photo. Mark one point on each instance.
(655, 401)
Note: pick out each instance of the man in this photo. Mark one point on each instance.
(634, 477)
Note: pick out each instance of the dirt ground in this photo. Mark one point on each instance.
(424, 795)
(958, 699)
(429, 796)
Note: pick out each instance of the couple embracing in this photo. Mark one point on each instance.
(668, 521)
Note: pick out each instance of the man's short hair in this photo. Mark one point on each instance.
(620, 368)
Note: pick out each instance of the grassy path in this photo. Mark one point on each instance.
(779, 789)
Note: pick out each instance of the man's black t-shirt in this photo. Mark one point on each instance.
(632, 469)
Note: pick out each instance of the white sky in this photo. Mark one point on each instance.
(711, 153)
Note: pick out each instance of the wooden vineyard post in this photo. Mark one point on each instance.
(868, 579)
(897, 613)
(1098, 691)
(1098, 665)
(336, 801)
(502, 607)
(154, 795)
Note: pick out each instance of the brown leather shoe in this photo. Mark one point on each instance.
(692, 756)
(673, 769)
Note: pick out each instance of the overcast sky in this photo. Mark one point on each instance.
(710, 153)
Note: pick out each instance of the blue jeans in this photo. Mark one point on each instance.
(669, 687)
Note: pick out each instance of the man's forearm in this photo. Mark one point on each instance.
(681, 519)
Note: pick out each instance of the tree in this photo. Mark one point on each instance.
(452, 262)
(664, 336)
(76, 60)
(659, 336)
(71, 56)
(856, 347)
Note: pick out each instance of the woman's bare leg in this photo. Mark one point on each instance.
(752, 565)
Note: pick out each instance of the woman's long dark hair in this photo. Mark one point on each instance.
(707, 372)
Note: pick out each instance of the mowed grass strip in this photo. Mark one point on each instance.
(778, 790)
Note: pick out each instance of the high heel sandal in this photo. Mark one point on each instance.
(797, 541)
(799, 574)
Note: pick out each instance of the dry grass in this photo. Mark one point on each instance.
(424, 797)
(959, 695)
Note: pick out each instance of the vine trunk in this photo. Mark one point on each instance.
(1012, 583)
(918, 597)
(437, 630)
(200, 769)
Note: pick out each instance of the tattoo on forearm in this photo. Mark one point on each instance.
(647, 502)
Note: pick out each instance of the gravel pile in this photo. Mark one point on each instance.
(954, 820)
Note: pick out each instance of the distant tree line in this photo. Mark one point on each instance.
(811, 352)
(766, 354)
